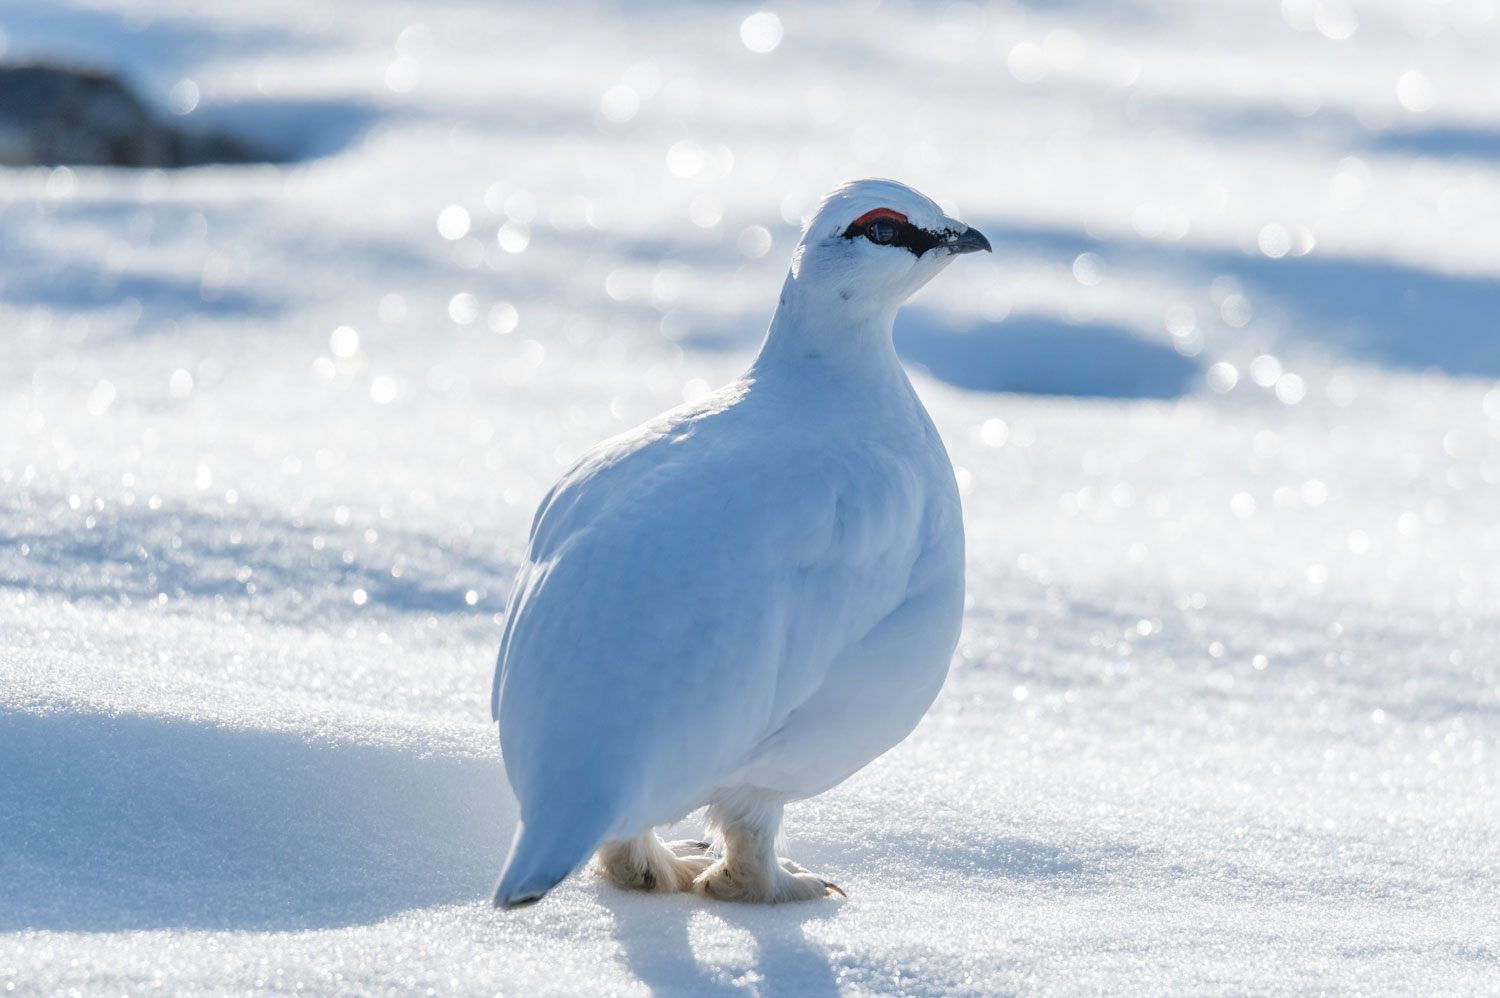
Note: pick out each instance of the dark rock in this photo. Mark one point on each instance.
(54, 116)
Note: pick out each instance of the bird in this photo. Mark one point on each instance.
(745, 600)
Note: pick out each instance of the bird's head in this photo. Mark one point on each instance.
(873, 243)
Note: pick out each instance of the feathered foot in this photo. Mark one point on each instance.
(750, 870)
(646, 863)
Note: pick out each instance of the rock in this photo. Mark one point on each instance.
(54, 116)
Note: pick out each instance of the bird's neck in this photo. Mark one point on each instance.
(815, 325)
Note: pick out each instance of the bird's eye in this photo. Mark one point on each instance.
(881, 231)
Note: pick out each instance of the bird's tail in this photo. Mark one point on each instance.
(541, 856)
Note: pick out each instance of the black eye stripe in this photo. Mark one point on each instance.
(912, 237)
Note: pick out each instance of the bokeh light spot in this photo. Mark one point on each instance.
(706, 211)
(453, 222)
(1290, 388)
(402, 75)
(514, 237)
(754, 242)
(1088, 269)
(1223, 376)
(384, 389)
(761, 32)
(343, 342)
(503, 318)
(1274, 240)
(463, 308)
(392, 308)
(1264, 370)
(101, 398)
(1414, 90)
(620, 103)
(183, 97)
(1235, 310)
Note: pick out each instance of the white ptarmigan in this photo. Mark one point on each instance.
(747, 599)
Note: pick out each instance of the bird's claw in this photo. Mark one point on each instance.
(829, 888)
(684, 848)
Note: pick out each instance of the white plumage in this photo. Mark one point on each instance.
(748, 598)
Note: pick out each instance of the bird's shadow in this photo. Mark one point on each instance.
(654, 936)
(655, 931)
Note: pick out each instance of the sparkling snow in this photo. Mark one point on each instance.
(1225, 404)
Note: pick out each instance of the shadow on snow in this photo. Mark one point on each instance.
(1043, 356)
(1377, 311)
(136, 822)
(653, 932)
(195, 554)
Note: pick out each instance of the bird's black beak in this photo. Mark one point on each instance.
(968, 241)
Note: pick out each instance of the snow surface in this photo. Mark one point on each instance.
(1225, 718)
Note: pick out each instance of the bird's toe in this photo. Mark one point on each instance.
(684, 848)
(797, 870)
(808, 886)
(787, 881)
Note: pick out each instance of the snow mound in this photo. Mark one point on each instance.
(1042, 356)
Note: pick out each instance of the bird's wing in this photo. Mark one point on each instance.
(607, 473)
(687, 588)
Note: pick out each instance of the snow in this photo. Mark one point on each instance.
(1224, 404)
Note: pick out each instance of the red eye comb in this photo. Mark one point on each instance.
(870, 216)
